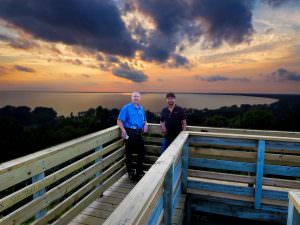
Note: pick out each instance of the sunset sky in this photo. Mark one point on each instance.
(250, 46)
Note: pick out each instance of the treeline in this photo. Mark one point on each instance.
(23, 130)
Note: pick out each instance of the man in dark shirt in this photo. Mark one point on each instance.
(172, 121)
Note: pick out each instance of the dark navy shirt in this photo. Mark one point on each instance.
(132, 117)
(173, 120)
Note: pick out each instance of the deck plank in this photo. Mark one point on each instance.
(99, 210)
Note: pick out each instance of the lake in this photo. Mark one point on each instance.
(65, 103)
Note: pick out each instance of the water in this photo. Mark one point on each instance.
(65, 103)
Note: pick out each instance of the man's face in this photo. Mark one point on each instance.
(136, 98)
(171, 101)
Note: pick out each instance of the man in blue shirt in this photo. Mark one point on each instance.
(132, 122)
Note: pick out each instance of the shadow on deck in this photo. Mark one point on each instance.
(231, 172)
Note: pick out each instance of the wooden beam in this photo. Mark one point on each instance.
(259, 173)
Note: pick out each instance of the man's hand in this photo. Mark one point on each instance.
(145, 128)
(163, 129)
(124, 134)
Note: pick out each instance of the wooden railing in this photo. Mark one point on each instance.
(216, 167)
(230, 172)
(55, 184)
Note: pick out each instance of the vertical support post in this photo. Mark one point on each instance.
(39, 193)
(293, 214)
(98, 149)
(185, 163)
(167, 196)
(259, 173)
(188, 210)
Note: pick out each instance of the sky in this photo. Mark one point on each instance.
(232, 46)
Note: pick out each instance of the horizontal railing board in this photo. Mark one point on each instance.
(28, 210)
(62, 206)
(155, 128)
(270, 158)
(271, 194)
(223, 165)
(236, 190)
(237, 211)
(20, 169)
(222, 154)
(243, 137)
(235, 197)
(287, 171)
(280, 145)
(230, 142)
(30, 189)
(244, 179)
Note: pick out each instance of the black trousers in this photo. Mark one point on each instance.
(134, 145)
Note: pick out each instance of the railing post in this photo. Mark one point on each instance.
(167, 196)
(259, 173)
(98, 149)
(185, 159)
(39, 193)
(293, 213)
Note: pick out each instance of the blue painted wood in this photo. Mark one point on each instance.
(185, 164)
(167, 195)
(221, 188)
(177, 172)
(293, 215)
(224, 141)
(270, 208)
(259, 173)
(222, 164)
(39, 193)
(279, 145)
(272, 194)
(175, 198)
(98, 149)
(237, 211)
(289, 171)
(155, 213)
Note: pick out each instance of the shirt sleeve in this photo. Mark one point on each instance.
(122, 114)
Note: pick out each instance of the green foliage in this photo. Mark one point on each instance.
(23, 131)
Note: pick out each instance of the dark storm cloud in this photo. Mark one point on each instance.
(128, 73)
(94, 24)
(276, 3)
(24, 69)
(217, 78)
(282, 74)
(217, 21)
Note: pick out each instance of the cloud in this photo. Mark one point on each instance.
(177, 21)
(217, 78)
(276, 3)
(282, 74)
(3, 70)
(24, 69)
(93, 24)
(128, 73)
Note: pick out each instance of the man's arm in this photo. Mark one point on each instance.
(163, 127)
(183, 123)
(121, 125)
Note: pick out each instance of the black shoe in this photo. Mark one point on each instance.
(132, 176)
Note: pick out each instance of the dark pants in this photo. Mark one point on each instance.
(167, 140)
(134, 145)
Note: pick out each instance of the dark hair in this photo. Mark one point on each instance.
(170, 95)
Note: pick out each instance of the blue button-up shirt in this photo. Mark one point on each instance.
(132, 117)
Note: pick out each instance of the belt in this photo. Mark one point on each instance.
(134, 130)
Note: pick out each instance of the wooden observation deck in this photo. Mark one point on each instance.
(234, 172)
